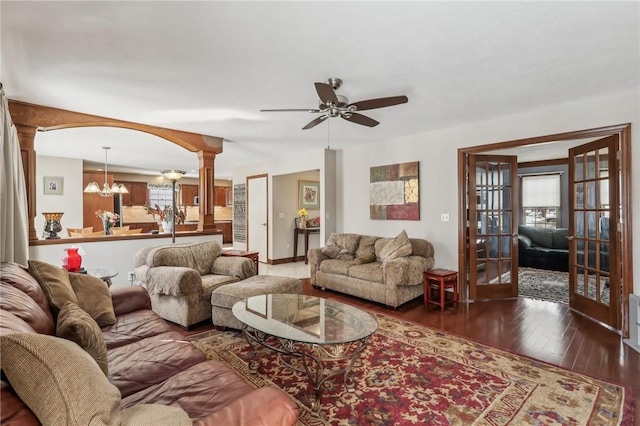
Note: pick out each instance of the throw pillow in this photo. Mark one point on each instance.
(55, 283)
(94, 297)
(76, 325)
(58, 381)
(367, 258)
(341, 246)
(156, 415)
(399, 247)
(366, 246)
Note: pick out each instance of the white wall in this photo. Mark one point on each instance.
(285, 210)
(115, 254)
(70, 202)
(437, 153)
(312, 160)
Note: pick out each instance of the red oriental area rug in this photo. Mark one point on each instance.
(413, 375)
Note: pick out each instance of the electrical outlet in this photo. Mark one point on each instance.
(444, 217)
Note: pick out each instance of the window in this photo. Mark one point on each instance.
(541, 200)
(160, 195)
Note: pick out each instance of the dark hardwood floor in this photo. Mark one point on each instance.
(546, 331)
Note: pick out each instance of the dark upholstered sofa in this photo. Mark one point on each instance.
(546, 248)
(148, 363)
(543, 248)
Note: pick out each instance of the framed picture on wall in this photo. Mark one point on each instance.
(308, 195)
(53, 185)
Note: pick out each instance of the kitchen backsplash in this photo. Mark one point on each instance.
(138, 214)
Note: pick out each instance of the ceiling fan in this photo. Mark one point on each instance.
(334, 105)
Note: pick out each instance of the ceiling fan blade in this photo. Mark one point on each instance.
(360, 119)
(291, 110)
(315, 122)
(326, 94)
(379, 103)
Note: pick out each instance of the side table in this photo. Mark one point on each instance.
(440, 279)
(253, 255)
(105, 273)
(305, 232)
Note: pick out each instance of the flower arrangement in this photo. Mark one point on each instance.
(108, 220)
(302, 212)
(166, 213)
(302, 218)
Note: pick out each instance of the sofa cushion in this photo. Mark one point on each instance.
(367, 258)
(524, 242)
(133, 327)
(366, 246)
(539, 236)
(76, 325)
(341, 246)
(71, 388)
(18, 303)
(156, 415)
(336, 266)
(399, 247)
(211, 282)
(369, 272)
(94, 297)
(55, 283)
(141, 364)
(559, 239)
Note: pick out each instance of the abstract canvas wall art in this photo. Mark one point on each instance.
(394, 192)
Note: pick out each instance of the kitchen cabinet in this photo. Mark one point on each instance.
(188, 195)
(227, 231)
(146, 227)
(137, 196)
(220, 196)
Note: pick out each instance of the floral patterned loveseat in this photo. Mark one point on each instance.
(384, 270)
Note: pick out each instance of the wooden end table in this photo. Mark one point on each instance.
(440, 279)
(253, 255)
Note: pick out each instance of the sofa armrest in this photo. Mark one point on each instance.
(173, 280)
(129, 299)
(238, 267)
(405, 271)
(263, 407)
(315, 257)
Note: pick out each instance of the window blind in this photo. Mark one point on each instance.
(541, 191)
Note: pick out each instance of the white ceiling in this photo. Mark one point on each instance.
(209, 67)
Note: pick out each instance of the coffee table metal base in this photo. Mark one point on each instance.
(319, 362)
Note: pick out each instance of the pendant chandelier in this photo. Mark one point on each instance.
(106, 191)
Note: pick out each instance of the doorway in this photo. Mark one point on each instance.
(620, 271)
(257, 215)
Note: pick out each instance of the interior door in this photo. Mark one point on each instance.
(594, 274)
(257, 216)
(493, 226)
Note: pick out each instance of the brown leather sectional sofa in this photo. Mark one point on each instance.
(148, 362)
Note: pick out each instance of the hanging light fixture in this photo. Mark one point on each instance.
(106, 191)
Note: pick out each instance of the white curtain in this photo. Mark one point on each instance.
(14, 224)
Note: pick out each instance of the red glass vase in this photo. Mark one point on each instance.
(72, 260)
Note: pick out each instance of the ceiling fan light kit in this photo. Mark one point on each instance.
(332, 105)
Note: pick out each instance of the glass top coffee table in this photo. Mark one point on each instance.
(319, 337)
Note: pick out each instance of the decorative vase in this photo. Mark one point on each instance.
(302, 222)
(167, 227)
(52, 225)
(72, 259)
(106, 225)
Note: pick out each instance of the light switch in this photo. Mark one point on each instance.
(281, 215)
(444, 217)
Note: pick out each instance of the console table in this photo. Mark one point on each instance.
(305, 232)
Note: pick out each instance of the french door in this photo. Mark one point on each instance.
(594, 273)
(493, 225)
